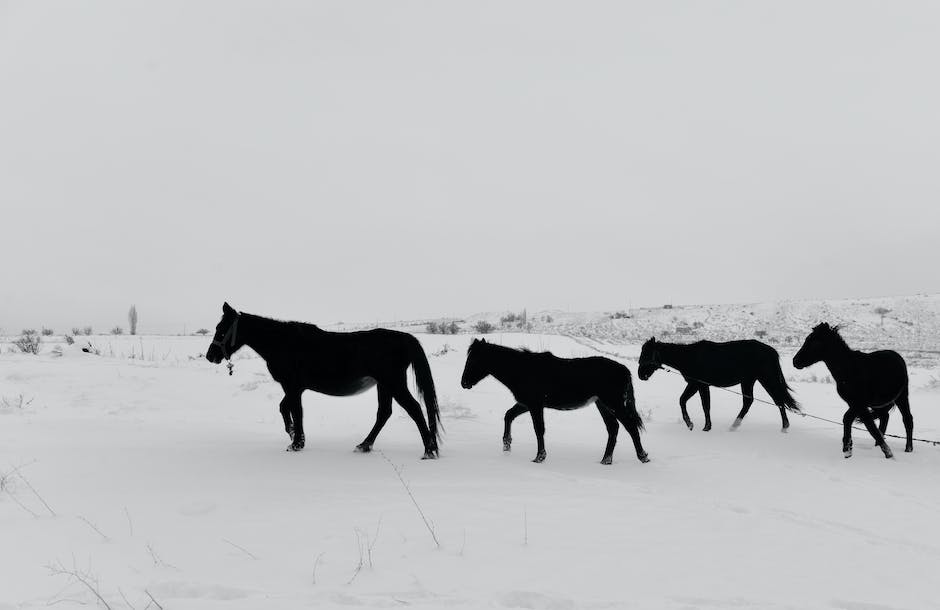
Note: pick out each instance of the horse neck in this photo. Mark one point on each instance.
(261, 335)
(674, 355)
(838, 358)
(505, 365)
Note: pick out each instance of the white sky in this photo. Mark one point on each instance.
(373, 160)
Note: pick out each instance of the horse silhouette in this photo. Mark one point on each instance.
(304, 357)
(870, 383)
(540, 381)
(707, 363)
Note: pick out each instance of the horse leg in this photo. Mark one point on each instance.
(296, 409)
(847, 420)
(411, 405)
(381, 417)
(869, 422)
(511, 414)
(285, 413)
(538, 422)
(633, 430)
(904, 406)
(687, 393)
(747, 391)
(610, 420)
(883, 417)
(706, 406)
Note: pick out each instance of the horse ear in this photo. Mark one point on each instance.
(482, 340)
(226, 308)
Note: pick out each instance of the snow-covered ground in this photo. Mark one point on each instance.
(163, 476)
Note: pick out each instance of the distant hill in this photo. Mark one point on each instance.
(910, 323)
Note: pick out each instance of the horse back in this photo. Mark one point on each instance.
(729, 363)
(570, 383)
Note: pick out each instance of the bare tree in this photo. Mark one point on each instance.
(882, 311)
(132, 319)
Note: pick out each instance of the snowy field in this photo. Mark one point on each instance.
(163, 476)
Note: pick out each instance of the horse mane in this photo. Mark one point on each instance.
(275, 325)
(515, 350)
(832, 332)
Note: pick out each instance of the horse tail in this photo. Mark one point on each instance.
(779, 389)
(630, 401)
(425, 383)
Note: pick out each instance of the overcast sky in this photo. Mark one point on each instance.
(350, 161)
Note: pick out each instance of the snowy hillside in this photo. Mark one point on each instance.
(911, 324)
(166, 477)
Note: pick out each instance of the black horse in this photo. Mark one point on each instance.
(540, 381)
(304, 357)
(870, 383)
(706, 363)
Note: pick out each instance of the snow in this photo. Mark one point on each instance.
(168, 477)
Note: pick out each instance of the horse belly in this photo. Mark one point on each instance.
(570, 404)
(349, 387)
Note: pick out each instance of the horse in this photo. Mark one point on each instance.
(707, 363)
(540, 381)
(870, 383)
(304, 357)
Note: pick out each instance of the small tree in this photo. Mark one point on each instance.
(46, 332)
(760, 333)
(87, 330)
(202, 331)
(117, 330)
(453, 328)
(432, 328)
(132, 319)
(882, 311)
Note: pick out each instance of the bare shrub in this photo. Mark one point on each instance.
(47, 332)
(87, 331)
(29, 342)
(117, 330)
(15, 403)
(444, 350)
(202, 331)
(69, 339)
(483, 327)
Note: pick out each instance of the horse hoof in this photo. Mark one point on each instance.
(363, 448)
(785, 429)
(908, 449)
(295, 447)
(707, 428)
(689, 425)
(607, 461)
(736, 424)
(539, 458)
(887, 451)
(429, 455)
(645, 458)
(847, 453)
(507, 446)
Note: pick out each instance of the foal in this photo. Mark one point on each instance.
(304, 357)
(544, 381)
(870, 383)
